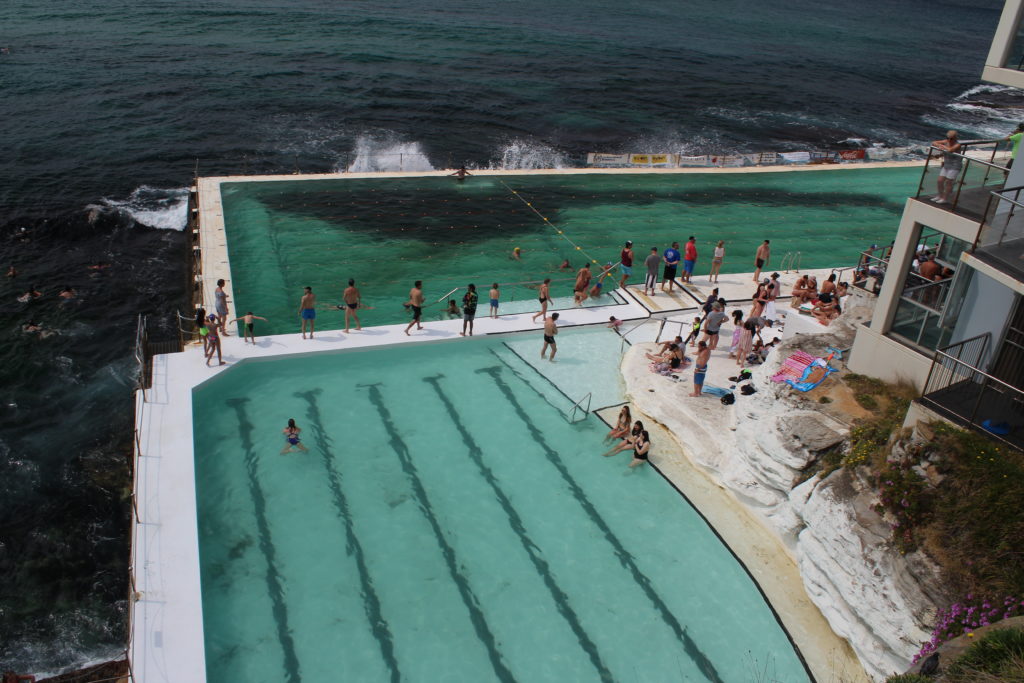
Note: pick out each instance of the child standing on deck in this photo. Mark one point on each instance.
(247, 327)
(494, 295)
(694, 331)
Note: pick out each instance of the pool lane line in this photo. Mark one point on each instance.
(527, 382)
(371, 603)
(516, 522)
(469, 598)
(740, 562)
(274, 584)
(625, 558)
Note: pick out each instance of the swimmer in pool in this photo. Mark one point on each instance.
(291, 437)
(247, 326)
(517, 254)
(460, 174)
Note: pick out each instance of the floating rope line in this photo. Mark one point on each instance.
(549, 223)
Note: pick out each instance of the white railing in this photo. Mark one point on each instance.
(578, 406)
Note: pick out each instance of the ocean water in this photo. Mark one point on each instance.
(109, 107)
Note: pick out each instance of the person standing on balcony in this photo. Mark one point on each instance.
(1015, 138)
(952, 162)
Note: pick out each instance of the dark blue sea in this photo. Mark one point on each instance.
(108, 108)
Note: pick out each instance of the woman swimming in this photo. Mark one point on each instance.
(291, 437)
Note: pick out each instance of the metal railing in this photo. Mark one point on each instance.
(958, 386)
(645, 321)
(1004, 220)
(578, 406)
(788, 261)
(983, 168)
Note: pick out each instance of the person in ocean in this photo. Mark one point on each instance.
(292, 438)
(12, 271)
(247, 326)
(67, 292)
(32, 293)
(307, 311)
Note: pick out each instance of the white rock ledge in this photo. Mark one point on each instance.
(870, 595)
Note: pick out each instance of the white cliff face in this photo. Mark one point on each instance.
(869, 593)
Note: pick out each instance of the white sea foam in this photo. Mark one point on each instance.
(376, 154)
(164, 209)
(521, 155)
(985, 89)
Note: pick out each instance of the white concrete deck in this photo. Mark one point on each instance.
(167, 627)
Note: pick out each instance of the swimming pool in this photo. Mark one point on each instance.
(450, 523)
(386, 233)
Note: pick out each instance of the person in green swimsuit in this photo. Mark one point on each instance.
(1015, 138)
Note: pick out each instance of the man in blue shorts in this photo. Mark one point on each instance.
(307, 311)
(626, 263)
(671, 264)
(689, 259)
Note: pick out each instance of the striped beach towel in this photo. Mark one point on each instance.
(793, 367)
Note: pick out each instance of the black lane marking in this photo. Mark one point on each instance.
(741, 563)
(539, 563)
(371, 603)
(274, 587)
(700, 659)
(476, 615)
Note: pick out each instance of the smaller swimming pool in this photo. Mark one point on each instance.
(446, 504)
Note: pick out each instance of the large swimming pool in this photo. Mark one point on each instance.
(386, 233)
(451, 523)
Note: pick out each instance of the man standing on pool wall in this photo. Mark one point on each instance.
(626, 263)
(352, 299)
(671, 264)
(689, 258)
(651, 262)
(550, 331)
(469, 302)
(221, 306)
(415, 302)
(761, 259)
(307, 311)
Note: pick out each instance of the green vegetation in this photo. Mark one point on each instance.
(998, 656)
(909, 678)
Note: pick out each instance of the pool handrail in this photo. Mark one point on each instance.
(577, 405)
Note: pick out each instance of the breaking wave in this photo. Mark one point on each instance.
(373, 155)
(164, 209)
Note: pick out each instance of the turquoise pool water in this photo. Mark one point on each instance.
(386, 233)
(450, 524)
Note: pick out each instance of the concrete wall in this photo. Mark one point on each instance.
(986, 306)
(876, 355)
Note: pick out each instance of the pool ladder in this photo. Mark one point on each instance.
(578, 405)
(792, 258)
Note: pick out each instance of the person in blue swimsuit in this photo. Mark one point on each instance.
(307, 311)
(291, 437)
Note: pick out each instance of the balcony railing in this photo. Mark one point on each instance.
(961, 390)
(983, 170)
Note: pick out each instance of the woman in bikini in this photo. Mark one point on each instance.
(291, 437)
(542, 296)
(716, 260)
(641, 448)
(627, 439)
(621, 427)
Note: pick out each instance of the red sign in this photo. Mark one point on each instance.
(851, 154)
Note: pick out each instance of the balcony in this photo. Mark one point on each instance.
(984, 171)
(959, 390)
(1001, 240)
